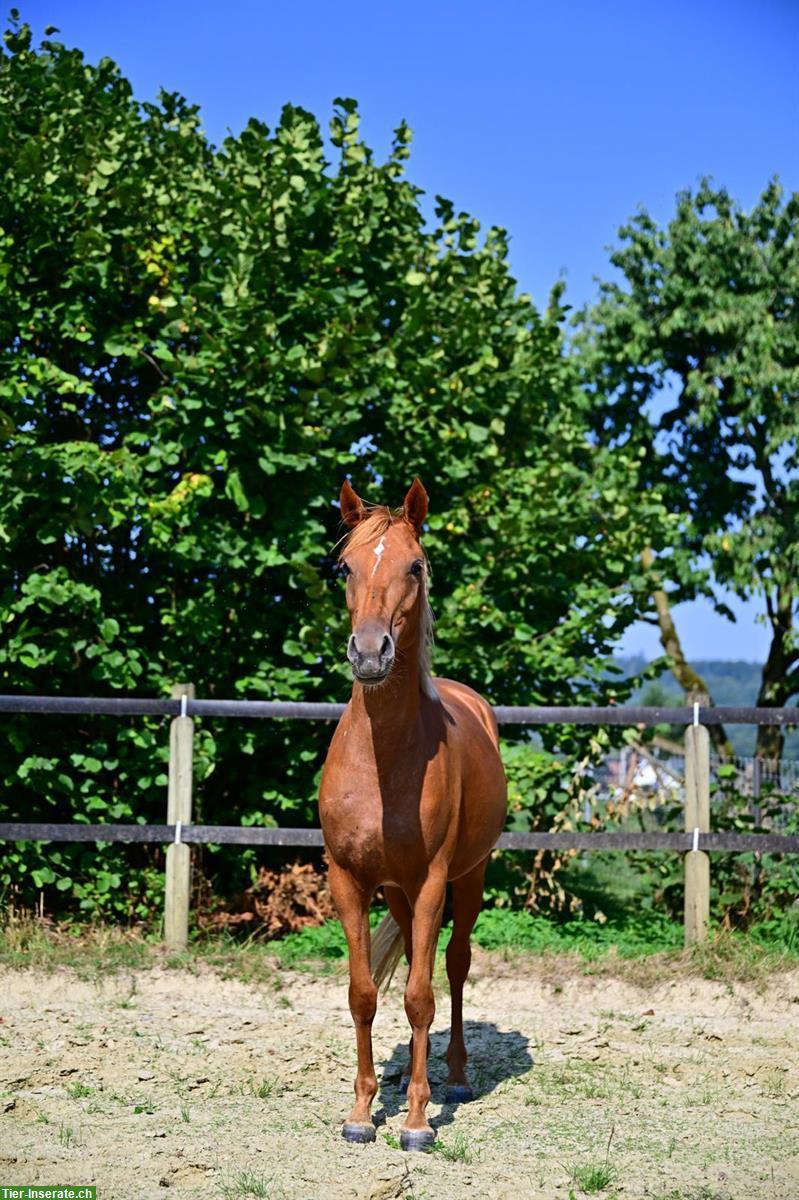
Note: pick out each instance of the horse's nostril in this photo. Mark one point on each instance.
(370, 651)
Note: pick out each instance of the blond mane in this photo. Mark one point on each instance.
(374, 525)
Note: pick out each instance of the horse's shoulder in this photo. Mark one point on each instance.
(466, 702)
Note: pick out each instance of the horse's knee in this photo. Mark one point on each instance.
(420, 1005)
(363, 1002)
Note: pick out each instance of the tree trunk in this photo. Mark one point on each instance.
(690, 681)
(776, 686)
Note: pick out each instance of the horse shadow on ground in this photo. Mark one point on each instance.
(494, 1056)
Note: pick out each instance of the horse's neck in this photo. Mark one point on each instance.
(393, 706)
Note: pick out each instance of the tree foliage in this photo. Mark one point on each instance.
(694, 357)
(197, 344)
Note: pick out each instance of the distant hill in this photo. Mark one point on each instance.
(734, 683)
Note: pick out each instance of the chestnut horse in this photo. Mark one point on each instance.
(413, 796)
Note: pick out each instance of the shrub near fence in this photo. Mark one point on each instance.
(180, 834)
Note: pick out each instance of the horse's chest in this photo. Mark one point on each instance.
(376, 823)
(354, 834)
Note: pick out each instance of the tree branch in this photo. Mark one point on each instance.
(689, 680)
(153, 363)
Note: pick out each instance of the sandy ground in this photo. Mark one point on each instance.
(173, 1083)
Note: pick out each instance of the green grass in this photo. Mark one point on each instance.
(321, 942)
(92, 951)
(629, 937)
(641, 942)
(326, 942)
(642, 946)
(509, 929)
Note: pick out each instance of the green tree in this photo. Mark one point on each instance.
(694, 357)
(197, 343)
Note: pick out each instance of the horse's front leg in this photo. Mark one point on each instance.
(420, 1007)
(353, 903)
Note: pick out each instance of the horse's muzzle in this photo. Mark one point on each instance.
(371, 655)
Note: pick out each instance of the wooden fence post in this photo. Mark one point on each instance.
(697, 816)
(178, 855)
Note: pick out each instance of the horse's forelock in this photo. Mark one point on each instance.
(379, 520)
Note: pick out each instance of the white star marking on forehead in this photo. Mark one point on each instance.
(378, 551)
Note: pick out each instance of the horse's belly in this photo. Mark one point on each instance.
(482, 819)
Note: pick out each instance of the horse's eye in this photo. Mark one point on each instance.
(417, 568)
(344, 570)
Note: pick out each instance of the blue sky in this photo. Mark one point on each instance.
(555, 121)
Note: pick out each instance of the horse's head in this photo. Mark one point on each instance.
(386, 574)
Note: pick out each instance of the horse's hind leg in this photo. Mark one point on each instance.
(400, 910)
(467, 899)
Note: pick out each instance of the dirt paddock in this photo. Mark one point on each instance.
(166, 1082)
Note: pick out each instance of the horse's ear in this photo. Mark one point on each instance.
(415, 506)
(352, 509)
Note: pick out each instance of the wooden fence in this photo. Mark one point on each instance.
(179, 834)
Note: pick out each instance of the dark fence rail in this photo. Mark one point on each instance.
(179, 833)
(506, 714)
(235, 835)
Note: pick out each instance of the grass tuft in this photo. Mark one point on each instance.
(456, 1151)
(266, 1088)
(67, 1136)
(249, 1186)
(593, 1177)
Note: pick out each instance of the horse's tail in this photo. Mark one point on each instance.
(387, 948)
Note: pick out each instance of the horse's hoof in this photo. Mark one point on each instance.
(416, 1139)
(458, 1093)
(353, 1131)
(404, 1081)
